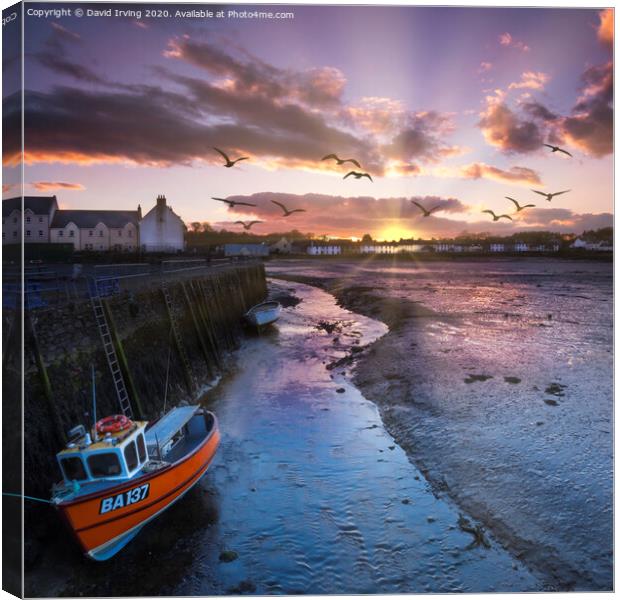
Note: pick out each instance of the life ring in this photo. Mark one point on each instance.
(113, 424)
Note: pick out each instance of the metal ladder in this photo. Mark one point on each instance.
(176, 333)
(110, 351)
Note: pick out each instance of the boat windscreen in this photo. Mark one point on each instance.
(73, 468)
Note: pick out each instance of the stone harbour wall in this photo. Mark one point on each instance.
(63, 344)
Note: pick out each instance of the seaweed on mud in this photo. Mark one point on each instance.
(476, 531)
(473, 377)
(286, 299)
(555, 389)
(244, 587)
(329, 327)
(228, 556)
(513, 380)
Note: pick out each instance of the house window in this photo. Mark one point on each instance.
(90, 233)
(15, 234)
(130, 233)
(28, 232)
(14, 219)
(40, 233)
(40, 219)
(120, 233)
(27, 219)
(101, 233)
(61, 233)
(71, 233)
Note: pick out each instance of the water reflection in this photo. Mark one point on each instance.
(315, 495)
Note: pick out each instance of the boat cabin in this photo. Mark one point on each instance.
(90, 456)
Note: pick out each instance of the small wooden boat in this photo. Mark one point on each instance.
(263, 314)
(122, 474)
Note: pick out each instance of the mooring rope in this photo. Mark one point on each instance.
(27, 497)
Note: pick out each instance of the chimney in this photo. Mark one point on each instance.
(161, 207)
(139, 212)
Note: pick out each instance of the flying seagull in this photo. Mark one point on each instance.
(357, 175)
(229, 163)
(427, 213)
(519, 207)
(232, 203)
(288, 212)
(497, 217)
(549, 196)
(557, 149)
(341, 161)
(247, 226)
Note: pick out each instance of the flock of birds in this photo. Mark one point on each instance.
(286, 212)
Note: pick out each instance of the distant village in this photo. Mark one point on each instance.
(161, 230)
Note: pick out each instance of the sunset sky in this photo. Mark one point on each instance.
(448, 106)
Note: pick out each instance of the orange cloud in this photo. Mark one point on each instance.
(505, 130)
(590, 128)
(605, 30)
(530, 80)
(520, 175)
(79, 158)
(376, 115)
(47, 186)
(505, 39)
(12, 159)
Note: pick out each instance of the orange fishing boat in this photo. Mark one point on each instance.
(123, 473)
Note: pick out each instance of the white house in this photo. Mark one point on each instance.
(324, 250)
(161, 229)
(282, 246)
(601, 246)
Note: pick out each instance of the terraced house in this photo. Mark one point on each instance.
(98, 230)
(161, 230)
(38, 214)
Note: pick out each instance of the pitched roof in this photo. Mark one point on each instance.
(115, 219)
(39, 205)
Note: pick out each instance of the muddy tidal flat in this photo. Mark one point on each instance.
(402, 429)
(496, 380)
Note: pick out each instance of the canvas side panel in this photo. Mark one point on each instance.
(12, 285)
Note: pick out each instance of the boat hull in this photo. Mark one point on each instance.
(105, 522)
(261, 317)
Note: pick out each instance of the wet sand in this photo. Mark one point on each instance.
(496, 379)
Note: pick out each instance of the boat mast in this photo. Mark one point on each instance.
(92, 370)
